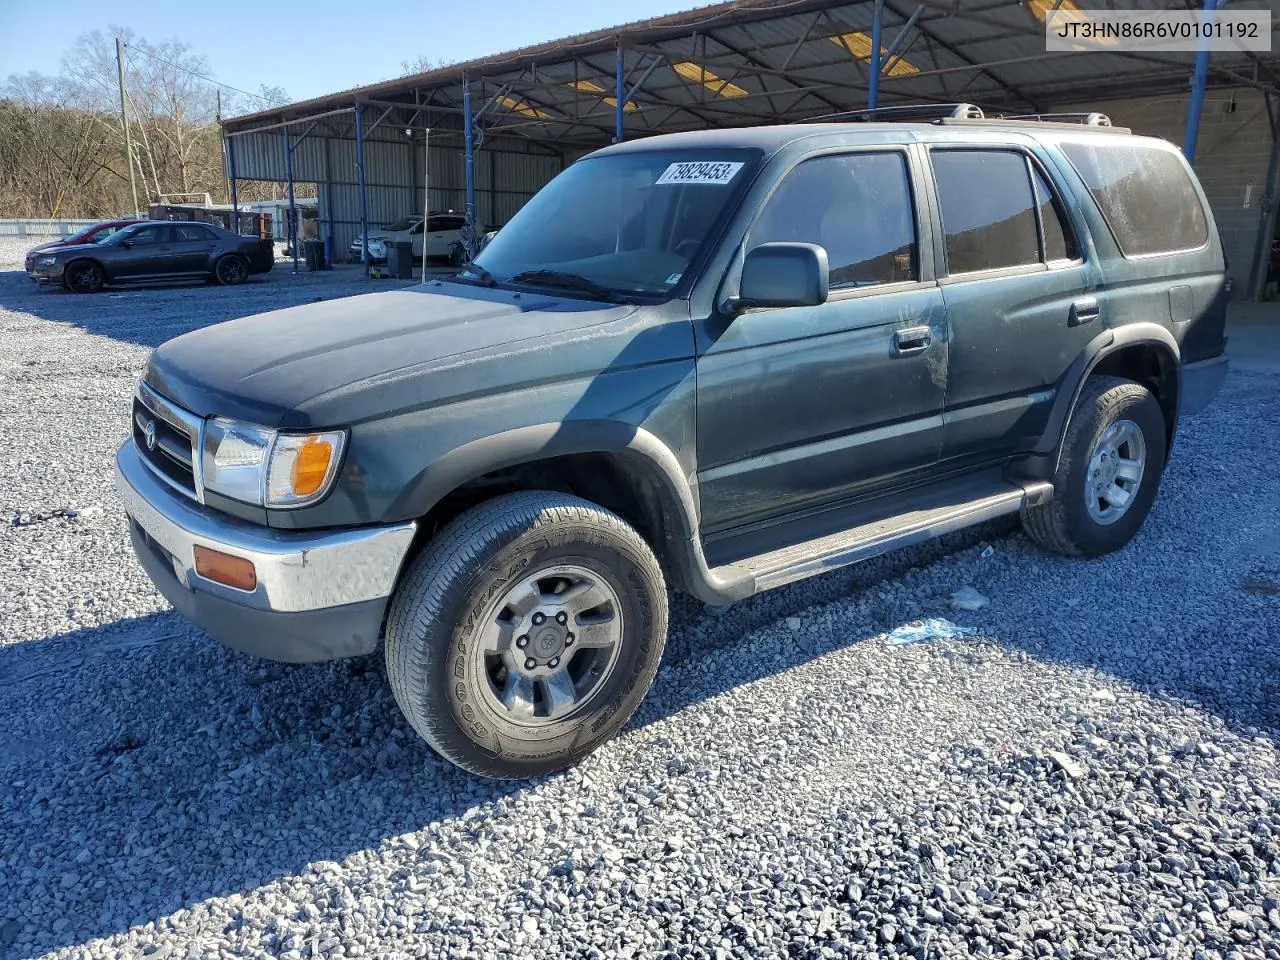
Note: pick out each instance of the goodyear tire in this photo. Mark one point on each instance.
(526, 633)
(1108, 472)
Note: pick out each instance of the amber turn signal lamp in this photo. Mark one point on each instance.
(224, 568)
(310, 466)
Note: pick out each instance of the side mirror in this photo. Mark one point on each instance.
(127, 242)
(783, 275)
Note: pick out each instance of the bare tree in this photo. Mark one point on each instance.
(61, 139)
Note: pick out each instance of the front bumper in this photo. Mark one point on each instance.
(321, 595)
(51, 273)
(1201, 382)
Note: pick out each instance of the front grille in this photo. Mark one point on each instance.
(174, 451)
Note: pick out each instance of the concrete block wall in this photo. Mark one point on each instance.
(1231, 157)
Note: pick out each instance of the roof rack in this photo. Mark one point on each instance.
(1086, 119)
(914, 111)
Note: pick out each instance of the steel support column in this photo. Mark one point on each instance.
(469, 141)
(292, 233)
(364, 203)
(619, 96)
(1195, 106)
(231, 177)
(1267, 220)
(877, 23)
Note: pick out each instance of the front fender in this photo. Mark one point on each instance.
(646, 456)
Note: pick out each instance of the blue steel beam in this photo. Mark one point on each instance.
(619, 97)
(231, 176)
(364, 207)
(292, 233)
(873, 89)
(469, 141)
(1195, 106)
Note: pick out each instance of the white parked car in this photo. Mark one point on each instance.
(443, 238)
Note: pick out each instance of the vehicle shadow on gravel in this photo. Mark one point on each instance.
(150, 315)
(185, 771)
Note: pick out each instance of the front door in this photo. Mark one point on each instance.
(149, 250)
(806, 405)
(1018, 296)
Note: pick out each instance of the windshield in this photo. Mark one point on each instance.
(94, 234)
(631, 223)
(404, 223)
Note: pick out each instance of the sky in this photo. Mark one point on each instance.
(311, 47)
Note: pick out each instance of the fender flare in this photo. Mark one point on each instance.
(1098, 349)
(676, 494)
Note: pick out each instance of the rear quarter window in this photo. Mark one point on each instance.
(1145, 194)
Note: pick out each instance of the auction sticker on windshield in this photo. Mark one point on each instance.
(703, 171)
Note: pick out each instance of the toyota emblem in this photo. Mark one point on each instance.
(150, 434)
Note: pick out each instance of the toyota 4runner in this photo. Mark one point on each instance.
(717, 362)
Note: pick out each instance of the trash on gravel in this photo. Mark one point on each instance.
(1261, 586)
(28, 518)
(987, 552)
(967, 598)
(926, 631)
(1067, 764)
(1102, 693)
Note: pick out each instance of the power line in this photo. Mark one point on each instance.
(218, 83)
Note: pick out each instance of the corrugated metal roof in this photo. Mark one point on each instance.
(772, 61)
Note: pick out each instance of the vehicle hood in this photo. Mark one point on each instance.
(342, 361)
(61, 246)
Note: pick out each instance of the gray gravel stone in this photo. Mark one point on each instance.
(792, 785)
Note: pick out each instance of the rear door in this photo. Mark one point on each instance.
(442, 233)
(193, 246)
(1018, 295)
(806, 405)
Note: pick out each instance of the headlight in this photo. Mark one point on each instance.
(263, 467)
(46, 261)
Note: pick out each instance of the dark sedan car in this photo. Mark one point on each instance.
(146, 252)
(94, 234)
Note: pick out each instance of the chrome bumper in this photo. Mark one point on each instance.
(317, 591)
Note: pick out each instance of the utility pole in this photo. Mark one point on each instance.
(226, 167)
(124, 121)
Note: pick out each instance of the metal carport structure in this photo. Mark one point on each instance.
(503, 125)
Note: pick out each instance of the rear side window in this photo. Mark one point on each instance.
(857, 206)
(988, 211)
(1145, 195)
(1059, 242)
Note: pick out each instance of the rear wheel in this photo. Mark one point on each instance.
(1108, 472)
(526, 633)
(84, 276)
(231, 270)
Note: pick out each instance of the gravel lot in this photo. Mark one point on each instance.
(1093, 774)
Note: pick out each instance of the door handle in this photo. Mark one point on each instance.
(911, 340)
(1083, 310)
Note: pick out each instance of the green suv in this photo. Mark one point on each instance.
(715, 362)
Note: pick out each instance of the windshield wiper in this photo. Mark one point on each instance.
(483, 276)
(567, 281)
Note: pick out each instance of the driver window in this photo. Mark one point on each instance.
(858, 207)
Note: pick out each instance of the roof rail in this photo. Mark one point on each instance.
(1087, 119)
(913, 111)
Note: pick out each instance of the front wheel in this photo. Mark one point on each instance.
(1108, 471)
(231, 270)
(84, 276)
(526, 633)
